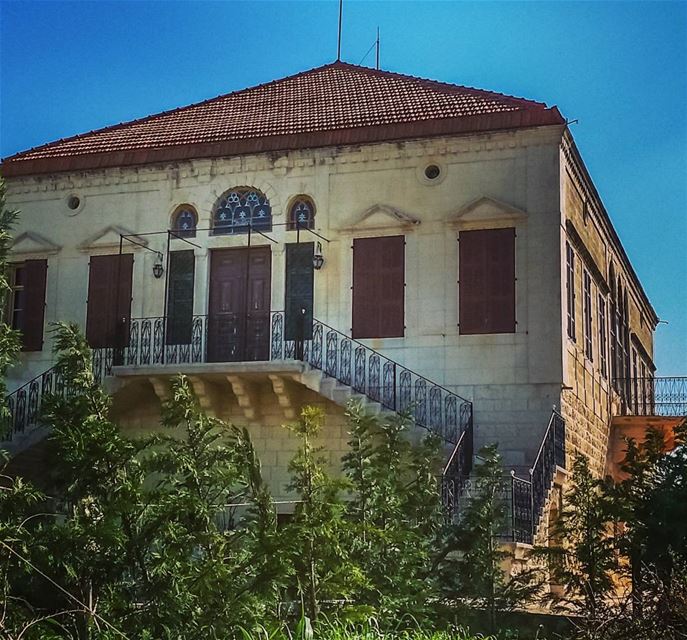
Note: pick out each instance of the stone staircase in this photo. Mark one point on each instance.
(527, 498)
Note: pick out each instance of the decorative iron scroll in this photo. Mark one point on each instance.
(23, 406)
(339, 356)
(652, 396)
(369, 372)
(456, 474)
(521, 510)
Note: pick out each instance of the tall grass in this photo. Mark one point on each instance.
(369, 630)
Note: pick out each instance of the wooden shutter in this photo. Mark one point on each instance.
(379, 287)
(487, 281)
(35, 275)
(299, 291)
(180, 297)
(109, 300)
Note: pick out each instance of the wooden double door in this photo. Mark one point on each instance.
(239, 305)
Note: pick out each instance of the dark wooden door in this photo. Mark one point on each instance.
(180, 297)
(108, 312)
(239, 306)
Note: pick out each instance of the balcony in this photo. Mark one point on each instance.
(644, 403)
(249, 349)
(665, 397)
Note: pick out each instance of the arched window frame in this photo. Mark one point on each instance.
(176, 225)
(296, 207)
(249, 202)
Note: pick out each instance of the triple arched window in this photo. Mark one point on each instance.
(242, 208)
(301, 214)
(184, 221)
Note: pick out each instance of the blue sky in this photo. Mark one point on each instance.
(619, 68)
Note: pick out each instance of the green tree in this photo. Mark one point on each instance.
(9, 339)
(394, 509)
(471, 565)
(650, 509)
(584, 561)
(317, 534)
(141, 542)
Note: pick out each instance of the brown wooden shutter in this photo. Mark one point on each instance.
(109, 305)
(299, 291)
(35, 275)
(487, 281)
(472, 281)
(378, 287)
(180, 297)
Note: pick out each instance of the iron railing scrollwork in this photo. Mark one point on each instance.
(381, 379)
(23, 406)
(651, 396)
(337, 355)
(521, 510)
(528, 496)
(148, 346)
(456, 473)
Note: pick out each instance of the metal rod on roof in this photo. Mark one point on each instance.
(338, 47)
(377, 48)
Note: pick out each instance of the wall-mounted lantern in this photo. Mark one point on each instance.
(318, 258)
(158, 269)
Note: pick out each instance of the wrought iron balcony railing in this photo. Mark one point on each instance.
(260, 336)
(23, 405)
(652, 396)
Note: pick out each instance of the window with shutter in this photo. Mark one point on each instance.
(588, 318)
(108, 313)
(486, 279)
(180, 297)
(570, 290)
(379, 287)
(26, 311)
(299, 291)
(603, 336)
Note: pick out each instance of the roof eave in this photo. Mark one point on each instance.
(518, 119)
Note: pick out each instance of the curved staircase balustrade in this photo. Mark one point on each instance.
(23, 405)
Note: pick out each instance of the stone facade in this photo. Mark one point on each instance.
(526, 179)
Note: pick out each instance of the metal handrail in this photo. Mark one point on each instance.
(554, 414)
(24, 403)
(418, 375)
(378, 377)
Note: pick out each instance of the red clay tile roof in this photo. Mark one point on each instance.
(335, 104)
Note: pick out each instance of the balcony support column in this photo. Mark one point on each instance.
(161, 388)
(284, 392)
(246, 394)
(205, 394)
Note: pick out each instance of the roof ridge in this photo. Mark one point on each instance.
(439, 83)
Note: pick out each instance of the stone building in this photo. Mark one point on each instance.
(341, 233)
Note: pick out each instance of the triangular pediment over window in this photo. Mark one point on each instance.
(486, 210)
(109, 237)
(382, 216)
(33, 243)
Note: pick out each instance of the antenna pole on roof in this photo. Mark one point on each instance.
(338, 47)
(377, 48)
